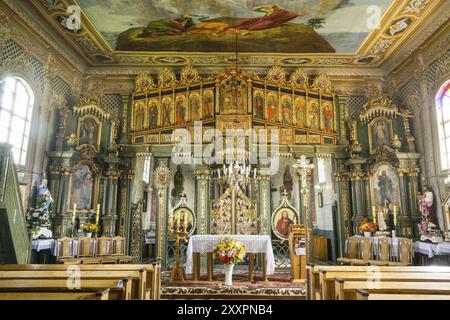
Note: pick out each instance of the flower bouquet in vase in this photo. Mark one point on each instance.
(89, 229)
(229, 252)
(367, 227)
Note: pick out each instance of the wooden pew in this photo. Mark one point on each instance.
(364, 295)
(327, 279)
(136, 276)
(15, 294)
(346, 290)
(118, 290)
(149, 283)
(313, 274)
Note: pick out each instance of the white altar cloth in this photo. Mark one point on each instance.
(251, 243)
(432, 249)
(42, 244)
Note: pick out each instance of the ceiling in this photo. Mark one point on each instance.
(209, 32)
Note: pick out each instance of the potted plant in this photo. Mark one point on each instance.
(229, 252)
(367, 227)
(89, 229)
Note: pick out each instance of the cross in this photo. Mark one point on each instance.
(304, 166)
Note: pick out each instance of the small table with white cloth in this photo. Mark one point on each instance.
(253, 244)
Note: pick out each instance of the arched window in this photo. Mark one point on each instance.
(443, 120)
(16, 108)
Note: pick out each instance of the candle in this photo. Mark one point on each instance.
(374, 213)
(74, 213)
(254, 174)
(98, 214)
(395, 215)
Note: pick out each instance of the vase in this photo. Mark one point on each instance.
(89, 234)
(228, 269)
(367, 234)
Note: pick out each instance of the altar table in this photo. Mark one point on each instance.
(432, 249)
(253, 244)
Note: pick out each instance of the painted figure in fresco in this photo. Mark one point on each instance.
(282, 225)
(171, 27)
(208, 105)
(327, 118)
(153, 114)
(88, 132)
(380, 134)
(259, 106)
(178, 186)
(300, 112)
(314, 116)
(385, 190)
(195, 107)
(286, 112)
(274, 17)
(166, 113)
(272, 109)
(140, 115)
(181, 111)
(288, 182)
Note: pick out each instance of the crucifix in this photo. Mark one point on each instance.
(304, 167)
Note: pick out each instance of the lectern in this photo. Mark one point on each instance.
(298, 249)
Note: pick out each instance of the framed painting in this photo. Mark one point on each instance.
(258, 104)
(83, 187)
(153, 115)
(282, 218)
(185, 216)
(313, 114)
(89, 131)
(380, 133)
(384, 185)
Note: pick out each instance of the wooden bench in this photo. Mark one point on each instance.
(118, 290)
(328, 279)
(364, 295)
(314, 281)
(149, 282)
(56, 295)
(346, 290)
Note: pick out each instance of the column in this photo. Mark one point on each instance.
(124, 119)
(344, 212)
(264, 212)
(358, 186)
(162, 166)
(109, 201)
(203, 175)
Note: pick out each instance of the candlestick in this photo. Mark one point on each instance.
(395, 215)
(74, 213)
(254, 174)
(98, 214)
(374, 213)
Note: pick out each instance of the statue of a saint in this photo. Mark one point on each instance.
(428, 227)
(287, 182)
(178, 186)
(39, 217)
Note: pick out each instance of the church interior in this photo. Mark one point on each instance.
(285, 150)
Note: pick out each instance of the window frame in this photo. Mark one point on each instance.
(29, 118)
(440, 122)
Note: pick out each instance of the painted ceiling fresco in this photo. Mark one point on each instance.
(284, 26)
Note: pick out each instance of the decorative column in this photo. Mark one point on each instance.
(264, 203)
(124, 119)
(63, 219)
(109, 201)
(161, 181)
(203, 199)
(345, 219)
(358, 189)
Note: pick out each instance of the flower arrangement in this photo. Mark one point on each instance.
(90, 228)
(367, 226)
(230, 251)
